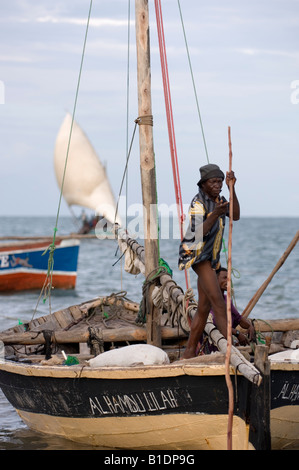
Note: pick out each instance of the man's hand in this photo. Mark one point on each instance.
(230, 176)
(221, 208)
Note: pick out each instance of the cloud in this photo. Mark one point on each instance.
(94, 22)
(244, 59)
(17, 58)
(280, 53)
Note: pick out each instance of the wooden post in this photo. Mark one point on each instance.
(147, 162)
(260, 434)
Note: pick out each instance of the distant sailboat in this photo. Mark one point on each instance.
(86, 183)
(24, 264)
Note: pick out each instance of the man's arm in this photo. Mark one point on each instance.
(247, 325)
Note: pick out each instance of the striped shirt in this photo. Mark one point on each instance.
(195, 248)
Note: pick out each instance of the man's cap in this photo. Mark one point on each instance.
(209, 171)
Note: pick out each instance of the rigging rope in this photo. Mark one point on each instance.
(48, 282)
(193, 82)
(128, 89)
(235, 272)
(170, 123)
(126, 169)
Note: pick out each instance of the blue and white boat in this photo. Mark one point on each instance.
(24, 264)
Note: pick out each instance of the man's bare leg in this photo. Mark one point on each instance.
(209, 296)
(209, 283)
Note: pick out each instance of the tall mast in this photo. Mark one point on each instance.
(147, 160)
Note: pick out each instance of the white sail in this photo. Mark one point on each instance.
(86, 183)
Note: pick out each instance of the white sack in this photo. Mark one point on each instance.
(145, 354)
(290, 355)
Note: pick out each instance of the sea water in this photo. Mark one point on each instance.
(257, 246)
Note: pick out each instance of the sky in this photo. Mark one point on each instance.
(245, 63)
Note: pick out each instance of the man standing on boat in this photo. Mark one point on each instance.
(201, 246)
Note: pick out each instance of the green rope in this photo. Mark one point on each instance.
(73, 115)
(193, 81)
(164, 264)
(157, 214)
(52, 247)
(261, 339)
(235, 272)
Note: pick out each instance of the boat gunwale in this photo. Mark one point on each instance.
(287, 365)
(35, 246)
(176, 369)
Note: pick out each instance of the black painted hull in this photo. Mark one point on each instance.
(285, 406)
(153, 408)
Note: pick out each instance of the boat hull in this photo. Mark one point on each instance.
(284, 413)
(164, 407)
(184, 431)
(23, 266)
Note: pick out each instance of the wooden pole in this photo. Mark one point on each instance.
(147, 162)
(228, 307)
(260, 396)
(82, 335)
(263, 287)
(283, 324)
